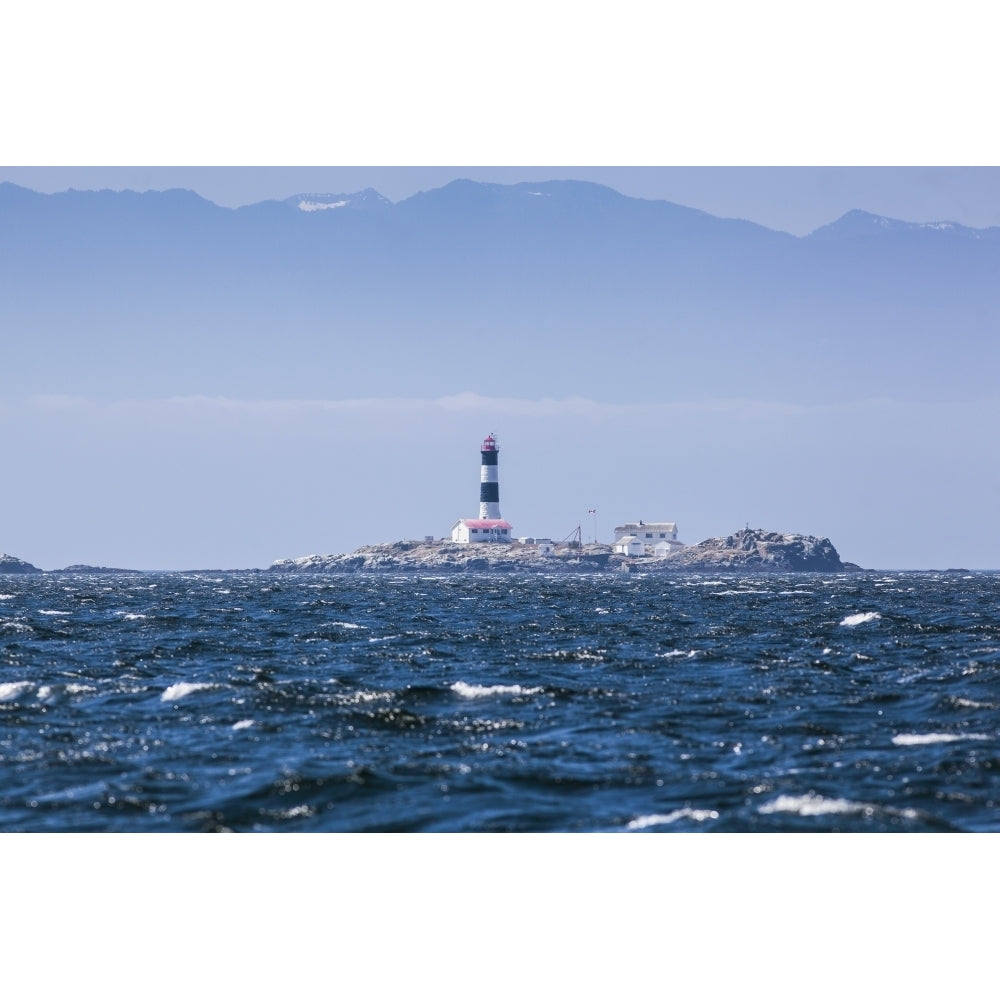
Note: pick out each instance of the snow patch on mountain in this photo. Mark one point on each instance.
(319, 206)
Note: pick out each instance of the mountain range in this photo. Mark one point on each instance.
(554, 289)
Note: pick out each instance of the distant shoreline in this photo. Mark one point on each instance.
(748, 551)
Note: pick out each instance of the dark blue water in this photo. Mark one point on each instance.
(602, 703)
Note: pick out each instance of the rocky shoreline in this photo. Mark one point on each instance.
(750, 550)
(11, 564)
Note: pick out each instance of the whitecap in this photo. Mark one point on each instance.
(16, 627)
(860, 618)
(349, 625)
(55, 612)
(969, 703)
(921, 739)
(12, 690)
(294, 812)
(812, 804)
(484, 691)
(130, 616)
(243, 724)
(6, 597)
(364, 697)
(182, 689)
(664, 819)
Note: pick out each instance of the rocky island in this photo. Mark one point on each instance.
(751, 550)
(11, 564)
(754, 550)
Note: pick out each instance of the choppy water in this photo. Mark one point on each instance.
(262, 702)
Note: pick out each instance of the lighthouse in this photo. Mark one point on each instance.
(489, 481)
(489, 526)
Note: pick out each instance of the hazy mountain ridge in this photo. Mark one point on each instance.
(858, 223)
(569, 287)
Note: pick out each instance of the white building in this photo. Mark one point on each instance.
(650, 532)
(629, 545)
(647, 538)
(481, 529)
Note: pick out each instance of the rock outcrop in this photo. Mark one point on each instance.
(448, 557)
(11, 564)
(748, 551)
(754, 550)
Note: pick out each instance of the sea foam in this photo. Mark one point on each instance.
(12, 690)
(183, 689)
(484, 691)
(859, 619)
(812, 804)
(921, 739)
(664, 819)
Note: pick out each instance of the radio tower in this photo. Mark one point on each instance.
(489, 488)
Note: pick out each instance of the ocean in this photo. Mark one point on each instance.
(567, 703)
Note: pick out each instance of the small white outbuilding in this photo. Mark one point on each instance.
(476, 529)
(629, 545)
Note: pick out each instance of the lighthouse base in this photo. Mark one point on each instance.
(471, 530)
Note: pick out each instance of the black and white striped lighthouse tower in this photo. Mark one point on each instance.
(489, 482)
(489, 526)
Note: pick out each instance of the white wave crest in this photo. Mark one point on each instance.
(921, 739)
(243, 724)
(13, 690)
(812, 804)
(364, 697)
(183, 689)
(860, 618)
(350, 625)
(64, 613)
(16, 627)
(6, 597)
(484, 691)
(664, 819)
